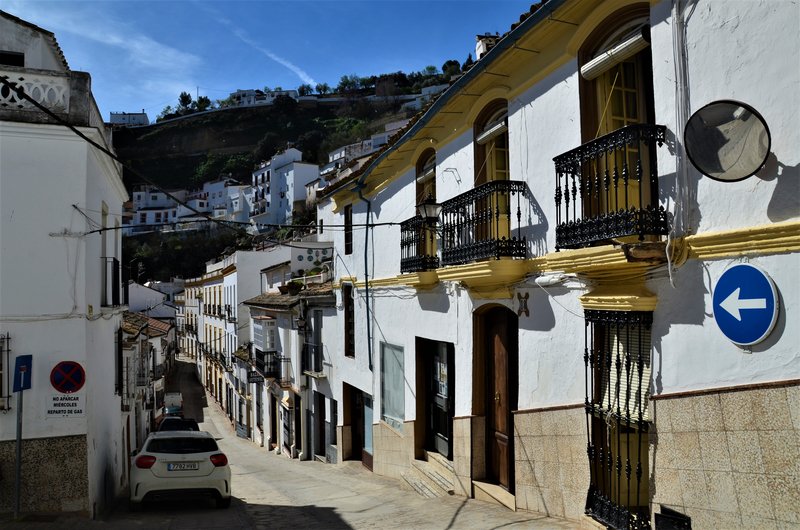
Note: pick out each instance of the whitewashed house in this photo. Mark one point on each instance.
(287, 350)
(278, 189)
(560, 334)
(60, 289)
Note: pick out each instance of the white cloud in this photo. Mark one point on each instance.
(242, 35)
(104, 46)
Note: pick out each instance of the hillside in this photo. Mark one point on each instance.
(185, 152)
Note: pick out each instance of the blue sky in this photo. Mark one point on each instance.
(142, 54)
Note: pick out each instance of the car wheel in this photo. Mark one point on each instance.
(134, 506)
(224, 503)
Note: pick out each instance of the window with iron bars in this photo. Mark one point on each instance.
(617, 359)
(5, 383)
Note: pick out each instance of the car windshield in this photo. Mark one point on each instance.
(181, 445)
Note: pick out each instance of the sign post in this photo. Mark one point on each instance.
(745, 304)
(22, 382)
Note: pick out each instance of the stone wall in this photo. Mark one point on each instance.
(729, 459)
(551, 466)
(462, 456)
(393, 450)
(54, 475)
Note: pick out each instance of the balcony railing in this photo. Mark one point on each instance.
(608, 188)
(312, 358)
(112, 287)
(481, 223)
(417, 250)
(267, 363)
(286, 376)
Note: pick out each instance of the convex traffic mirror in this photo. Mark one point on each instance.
(727, 140)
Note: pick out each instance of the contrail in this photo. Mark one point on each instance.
(244, 37)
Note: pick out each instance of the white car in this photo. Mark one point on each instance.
(180, 463)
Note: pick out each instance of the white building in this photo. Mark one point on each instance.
(129, 119)
(287, 350)
(60, 289)
(250, 97)
(551, 339)
(278, 189)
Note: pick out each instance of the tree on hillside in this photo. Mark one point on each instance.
(323, 88)
(184, 102)
(304, 89)
(203, 104)
(167, 111)
(467, 63)
(430, 71)
(348, 84)
(450, 68)
(266, 147)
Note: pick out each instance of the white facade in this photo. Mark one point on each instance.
(555, 298)
(59, 282)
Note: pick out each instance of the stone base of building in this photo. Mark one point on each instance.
(54, 475)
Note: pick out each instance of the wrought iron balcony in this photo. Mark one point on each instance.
(267, 364)
(417, 246)
(286, 376)
(481, 223)
(608, 188)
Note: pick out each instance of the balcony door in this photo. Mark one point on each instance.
(615, 95)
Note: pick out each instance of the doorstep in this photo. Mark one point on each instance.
(494, 493)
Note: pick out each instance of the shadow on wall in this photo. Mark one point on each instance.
(435, 300)
(688, 303)
(543, 317)
(785, 201)
(536, 226)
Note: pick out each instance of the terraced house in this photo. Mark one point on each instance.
(548, 281)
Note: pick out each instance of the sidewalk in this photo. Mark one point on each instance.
(284, 493)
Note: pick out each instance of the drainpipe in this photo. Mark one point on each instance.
(366, 273)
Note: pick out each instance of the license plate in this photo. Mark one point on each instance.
(182, 466)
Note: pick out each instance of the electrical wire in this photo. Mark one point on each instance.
(20, 92)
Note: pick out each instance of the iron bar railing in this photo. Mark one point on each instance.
(267, 364)
(617, 381)
(481, 223)
(417, 246)
(286, 377)
(608, 188)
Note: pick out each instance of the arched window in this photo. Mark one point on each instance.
(426, 176)
(617, 91)
(491, 143)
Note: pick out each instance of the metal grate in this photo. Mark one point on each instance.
(617, 383)
(608, 188)
(484, 223)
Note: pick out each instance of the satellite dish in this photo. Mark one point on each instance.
(727, 140)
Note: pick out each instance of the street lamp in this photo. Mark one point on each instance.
(429, 210)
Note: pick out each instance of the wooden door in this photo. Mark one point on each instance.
(501, 395)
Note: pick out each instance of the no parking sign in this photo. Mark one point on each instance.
(67, 377)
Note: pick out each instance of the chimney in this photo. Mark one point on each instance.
(485, 43)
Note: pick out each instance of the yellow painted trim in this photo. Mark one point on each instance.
(487, 96)
(776, 238)
(488, 279)
(594, 19)
(620, 297)
(419, 280)
(582, 260)
(347, 279)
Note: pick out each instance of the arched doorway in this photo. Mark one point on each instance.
(495, 388)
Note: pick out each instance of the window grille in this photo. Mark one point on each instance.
(5, 372)
(617, 359)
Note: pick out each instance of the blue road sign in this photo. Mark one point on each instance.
(22, 373)
(745, 304)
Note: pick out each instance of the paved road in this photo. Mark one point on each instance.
(272, 491)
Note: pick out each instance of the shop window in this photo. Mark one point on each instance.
(392, 385)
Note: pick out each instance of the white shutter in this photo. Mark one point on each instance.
(258, 335)
(626, 394)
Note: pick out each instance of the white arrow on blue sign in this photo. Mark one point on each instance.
(745, 304)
